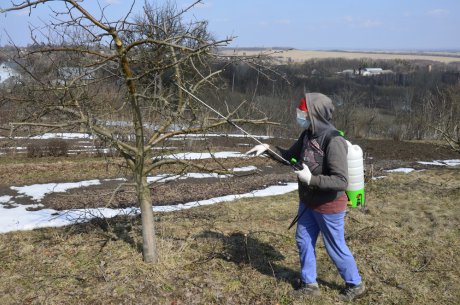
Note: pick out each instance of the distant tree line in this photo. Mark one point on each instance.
(418, 100)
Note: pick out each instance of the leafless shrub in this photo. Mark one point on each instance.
(58, 148)
(35, 150)
(396, 133)
(100, 146)
(359, 122)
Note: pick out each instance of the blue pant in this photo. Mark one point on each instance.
(332, 228)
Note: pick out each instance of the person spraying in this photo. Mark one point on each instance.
(322, 176)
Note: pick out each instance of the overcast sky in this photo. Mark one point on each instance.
(301, 24)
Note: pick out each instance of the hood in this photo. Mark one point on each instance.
(320, 109)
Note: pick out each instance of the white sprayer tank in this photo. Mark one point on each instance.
(355, 188)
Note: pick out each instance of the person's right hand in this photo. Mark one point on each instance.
(258, 149)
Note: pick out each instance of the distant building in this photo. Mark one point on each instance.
(364, 72)
(7, 71)
(371, 71)
(348, 72)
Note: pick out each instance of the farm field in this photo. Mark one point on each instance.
(295, 55)
(237, 252)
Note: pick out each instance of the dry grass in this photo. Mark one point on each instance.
(20, 171)
(304, 55)
(406, 247)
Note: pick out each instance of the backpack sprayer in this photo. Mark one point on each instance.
(355, 188)
(355, 162)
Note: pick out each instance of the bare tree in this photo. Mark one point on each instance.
(142, 70)
(444, 115)
(348, 103)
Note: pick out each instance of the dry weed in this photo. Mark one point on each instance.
(406, 246)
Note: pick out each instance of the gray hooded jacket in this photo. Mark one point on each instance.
(323, 151)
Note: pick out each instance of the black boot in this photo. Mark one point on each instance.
(351, 292)
(307, 290)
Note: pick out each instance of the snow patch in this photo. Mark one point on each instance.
(269, 191)
(400, 170)
(5, 199)
(63, 135)
(453, 162)
(168, 177)
(20, 218)
(208, 135)
(38, 191)
(245, 169)
(201, 156)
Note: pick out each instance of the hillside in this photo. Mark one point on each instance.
(240, 252)
(406, 247)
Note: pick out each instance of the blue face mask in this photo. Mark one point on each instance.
(303, 123)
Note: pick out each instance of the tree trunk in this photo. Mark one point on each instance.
(149, 248)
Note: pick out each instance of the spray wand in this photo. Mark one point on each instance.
(292, 162)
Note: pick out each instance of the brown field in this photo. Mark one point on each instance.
(304, 55)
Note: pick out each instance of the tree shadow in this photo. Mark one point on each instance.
(122, 227)
(243, 249)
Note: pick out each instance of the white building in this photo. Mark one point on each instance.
(371, 71)
(365, 72)
(7, 72)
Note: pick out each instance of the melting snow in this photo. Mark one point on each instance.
(208, 135)
(245, 169)
(63, 135)
(38, 191)
(5, 199)
(400, 170)
(269, 191)
(78, 135)
(19, 218)
(200, 156)
(453, 162)
(166, 177)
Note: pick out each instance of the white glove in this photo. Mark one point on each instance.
(258, 149)
(304, 175)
